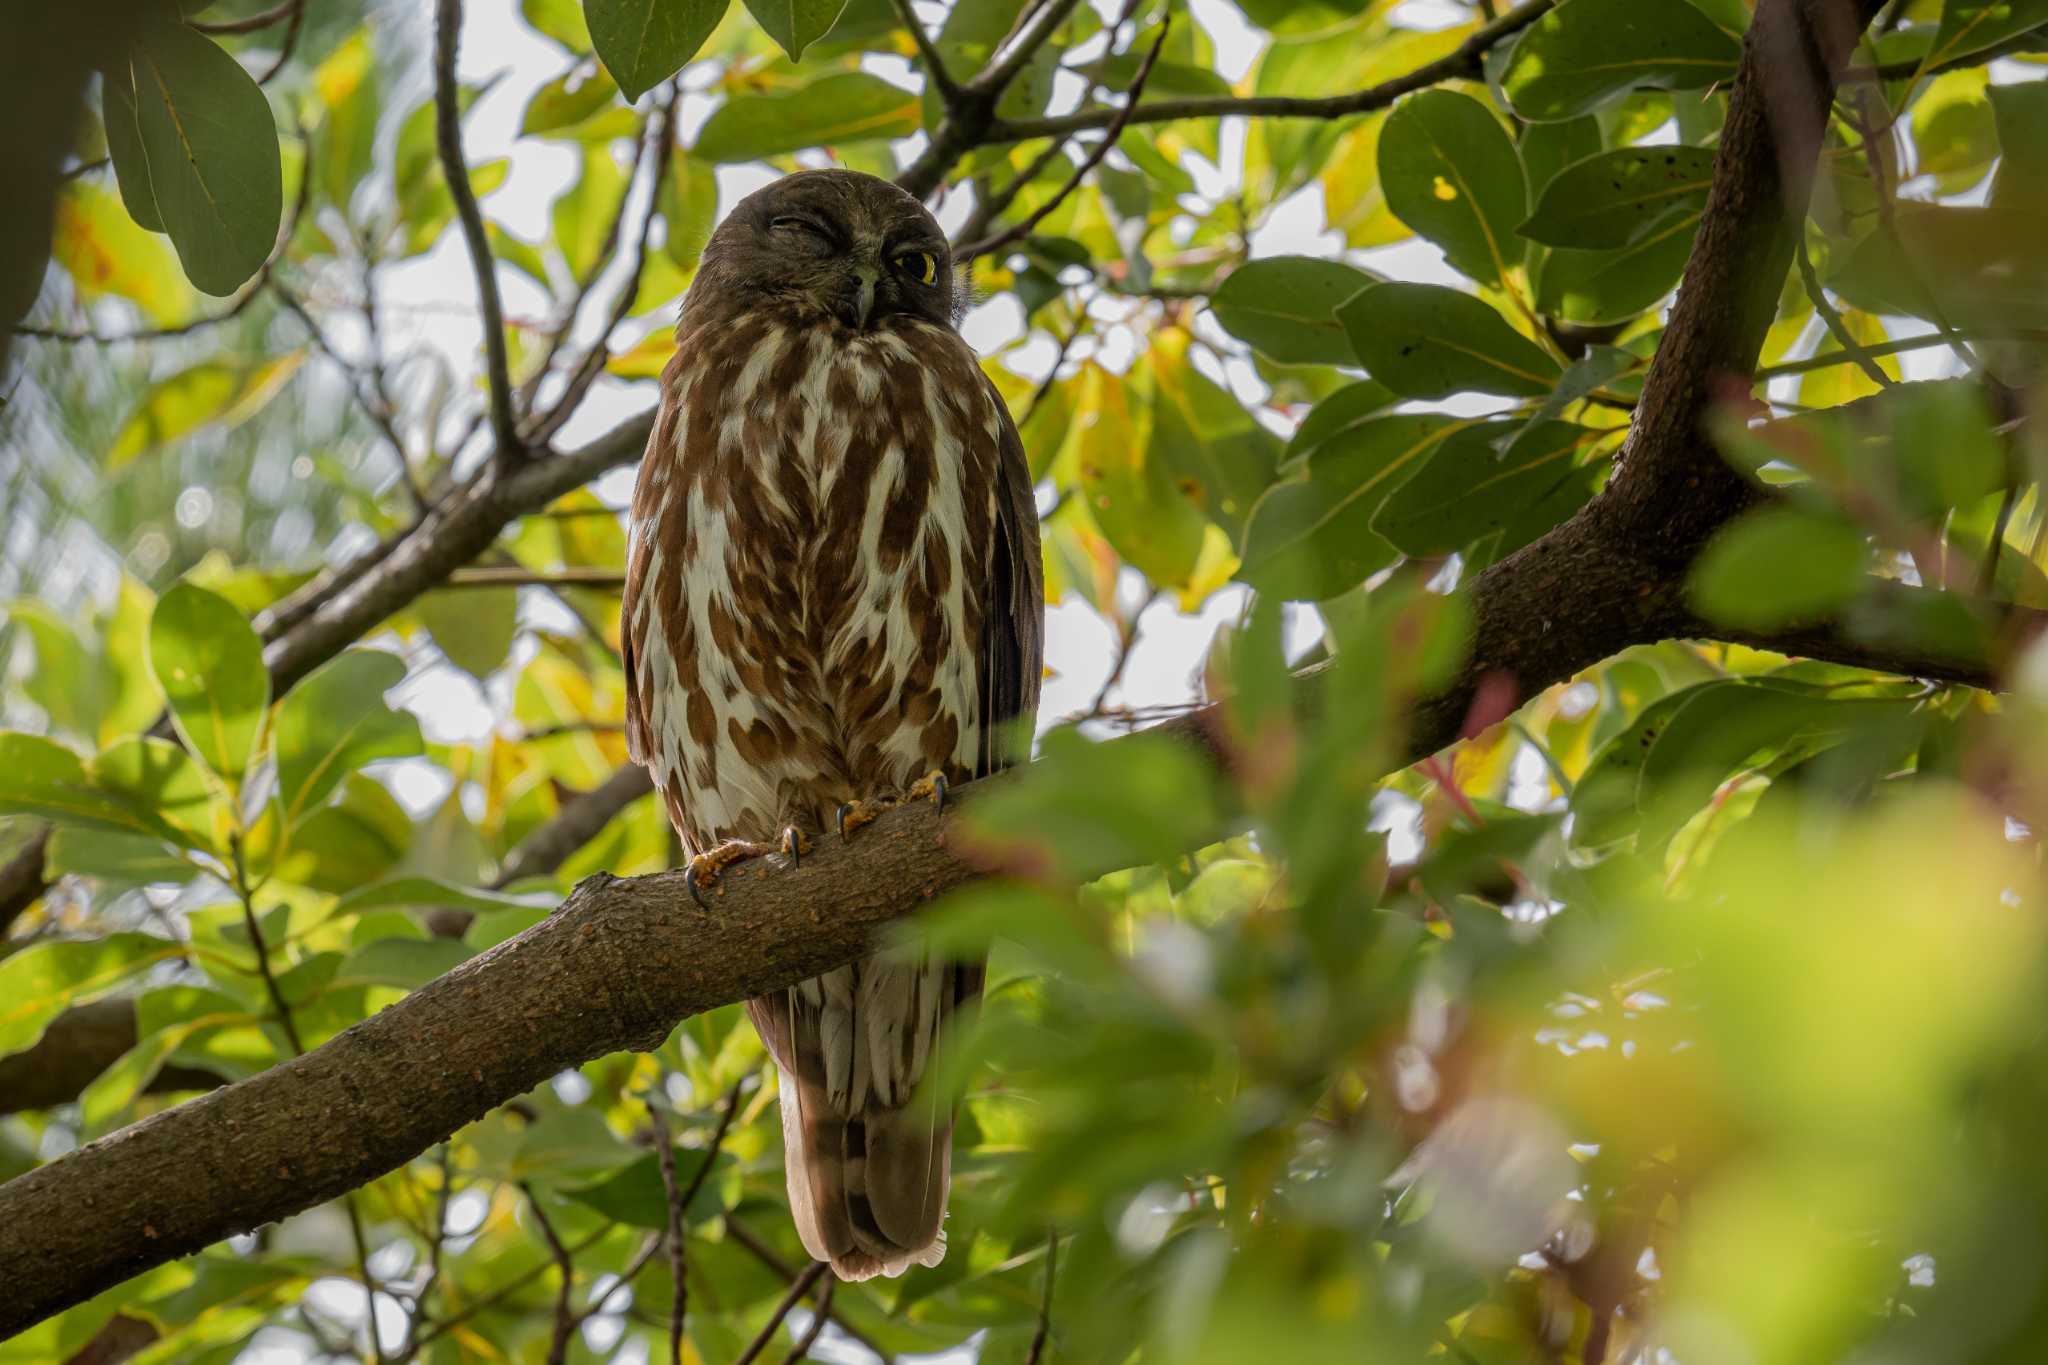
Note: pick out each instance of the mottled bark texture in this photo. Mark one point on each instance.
(622, 961)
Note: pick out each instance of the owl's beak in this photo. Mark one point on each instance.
(859, 298)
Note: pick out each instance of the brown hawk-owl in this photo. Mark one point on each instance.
(833, 597)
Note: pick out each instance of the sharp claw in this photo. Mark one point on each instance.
(939, 792)
(793, 846)
(696, 892)
(839, 820)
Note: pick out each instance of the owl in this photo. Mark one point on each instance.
(833, 601)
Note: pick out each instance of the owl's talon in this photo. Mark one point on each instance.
(705, 867)
(794, 846)
(932, 784)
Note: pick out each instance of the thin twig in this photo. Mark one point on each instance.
(811, 1333)
(1052, 1262)
(508, 1289)
(1004, 67)
(1837, 328)
(1088, 163)
(290, 43)
(2037, 335)
(594, 359)
(265, 19)
(928, 53)
(678, 1255)
(745, 1237)
(565, 1315)
(768, 1329)
(455, 170)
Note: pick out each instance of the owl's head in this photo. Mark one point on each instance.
(832, 245)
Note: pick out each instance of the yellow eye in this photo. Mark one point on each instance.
(919, 265)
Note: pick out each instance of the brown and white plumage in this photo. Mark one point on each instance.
(833, 590)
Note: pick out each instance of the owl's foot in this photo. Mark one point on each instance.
(933, 785)
(854, 814)
(705, 867)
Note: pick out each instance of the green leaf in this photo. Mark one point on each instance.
(474, 627)
(340, 847)
(431, 893)
(346, 81)
(636, 1194)
(158, 776)
(43, 980)
(644, 42)
(1972, 25)
(211, 145)
(573, 97)
(1612, 286)
(1452, 174)
(850, 107)
(333, 723)
(1777, 565)
(1983, 266)
(1588, 53)
(1203, 438)
(209, 664)
(1341, 412)
(166, 1019)
(1614, 199)
(583, 213)
(407, 963)
(1464, 493)
(1155, 523)
(1547, 148)
(124, 146)
(561, 20)
(2021, 114)
(1426, 341)
(41, 777)
(795, 24)
(1285, 307)
(1312, 538)
(1955, 131)
(213, 392)
(120, 858)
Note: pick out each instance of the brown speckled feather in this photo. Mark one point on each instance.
(833, 589)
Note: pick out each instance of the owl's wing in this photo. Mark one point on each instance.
(637, 597)
(1013, 627)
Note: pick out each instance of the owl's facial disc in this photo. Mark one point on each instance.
(838, 245)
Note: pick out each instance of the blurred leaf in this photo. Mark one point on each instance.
(582, 215)
(561, 20)
(1354, 197)
(120, 858)
(2021, 114)
(158, 776)
(44, 979)
(795, 24)
(212, 152)
(1426, 341)
(1973, 25)
(358, 839)
(1201, 434)
(689, 209)
(1285, 307)
(346, 82)
(474, 627)
(430, 893)
(644, 42)
(1955, 136)
(1451, 174)
(572, 99)
(334, 722)
(1777, 565)
(1982, 266)
(105, 253)
(1587, 53)
(407, 963)
(635, 1195)
(212, 392)
(1155, 522)
(1614, 199)
(1838, 384)
(41, 777)
(849, 107)
(1312, 537)
(209, 664)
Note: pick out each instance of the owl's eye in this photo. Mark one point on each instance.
(919, 265)
(793, 223)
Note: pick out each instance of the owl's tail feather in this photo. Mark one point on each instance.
(868, 1193)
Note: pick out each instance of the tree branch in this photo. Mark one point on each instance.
(455, 170)
(1467, 61)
